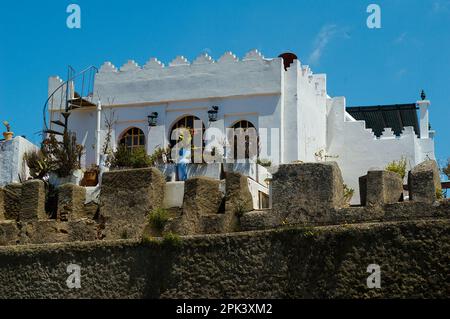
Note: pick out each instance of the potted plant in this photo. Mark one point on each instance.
(8, 135)
(65, 157)
(91, 176)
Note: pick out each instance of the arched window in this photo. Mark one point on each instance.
(196, 133)
(133, 138)
(245, 125)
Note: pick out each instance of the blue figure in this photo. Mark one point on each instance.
(185, 158)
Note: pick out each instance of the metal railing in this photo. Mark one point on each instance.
(59, 100)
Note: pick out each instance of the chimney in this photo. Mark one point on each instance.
(424, 120)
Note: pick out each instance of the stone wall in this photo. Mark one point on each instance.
(310, 245)
(24, 219)
(309, 194)
(320, 262)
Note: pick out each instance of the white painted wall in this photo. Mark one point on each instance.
(12, 164)
(244, 90)
(182, 81)
(359, 150)
(312, 116)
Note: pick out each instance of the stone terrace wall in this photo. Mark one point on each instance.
(322, 262)
(24, 220)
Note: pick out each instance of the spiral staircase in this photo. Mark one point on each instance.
(75, 93)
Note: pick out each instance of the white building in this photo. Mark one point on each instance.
(13, 168)
(284, 100)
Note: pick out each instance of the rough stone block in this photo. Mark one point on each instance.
(9, 233)
(2, 204)
(83, 230)
(378, 188)
(304, 193)
(43, 232)
(52, 231)
(32, 201)
(212, 224)
(91, 210)
(202, 196)
(258, 220)
(12, 198)
(71, 200)
(238, 199)
(423, 181)
(126, 199)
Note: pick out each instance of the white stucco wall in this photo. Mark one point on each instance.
(312, 117)
(262, 111)
(12, 166)
(304, 113)
(182, 80)
(358, 150)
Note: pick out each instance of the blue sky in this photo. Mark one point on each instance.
(369, 66)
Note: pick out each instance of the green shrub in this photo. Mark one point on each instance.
(140, 159)
(398, 167)
(59, 156)
(123, 157)
(171, 239)
(348, 194)
(38, 163)
(158, 218)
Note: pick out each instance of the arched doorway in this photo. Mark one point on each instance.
(244, 127)
(196, 134)
(132, 138)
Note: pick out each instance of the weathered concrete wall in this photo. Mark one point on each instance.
(323, 262)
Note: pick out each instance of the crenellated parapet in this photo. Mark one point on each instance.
(202, 59)
(202, 78)
(407, 132)
(181, 79)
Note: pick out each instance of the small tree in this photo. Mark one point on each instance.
(60, 157)
(109, 124)
(65, 156)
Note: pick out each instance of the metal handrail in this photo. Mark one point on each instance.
(45, 109)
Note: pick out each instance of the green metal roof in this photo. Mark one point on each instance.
(379, 117)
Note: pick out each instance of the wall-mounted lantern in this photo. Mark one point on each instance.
(212, 114)
(153, 119)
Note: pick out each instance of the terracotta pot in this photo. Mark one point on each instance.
(8, 135)
(91, 178)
